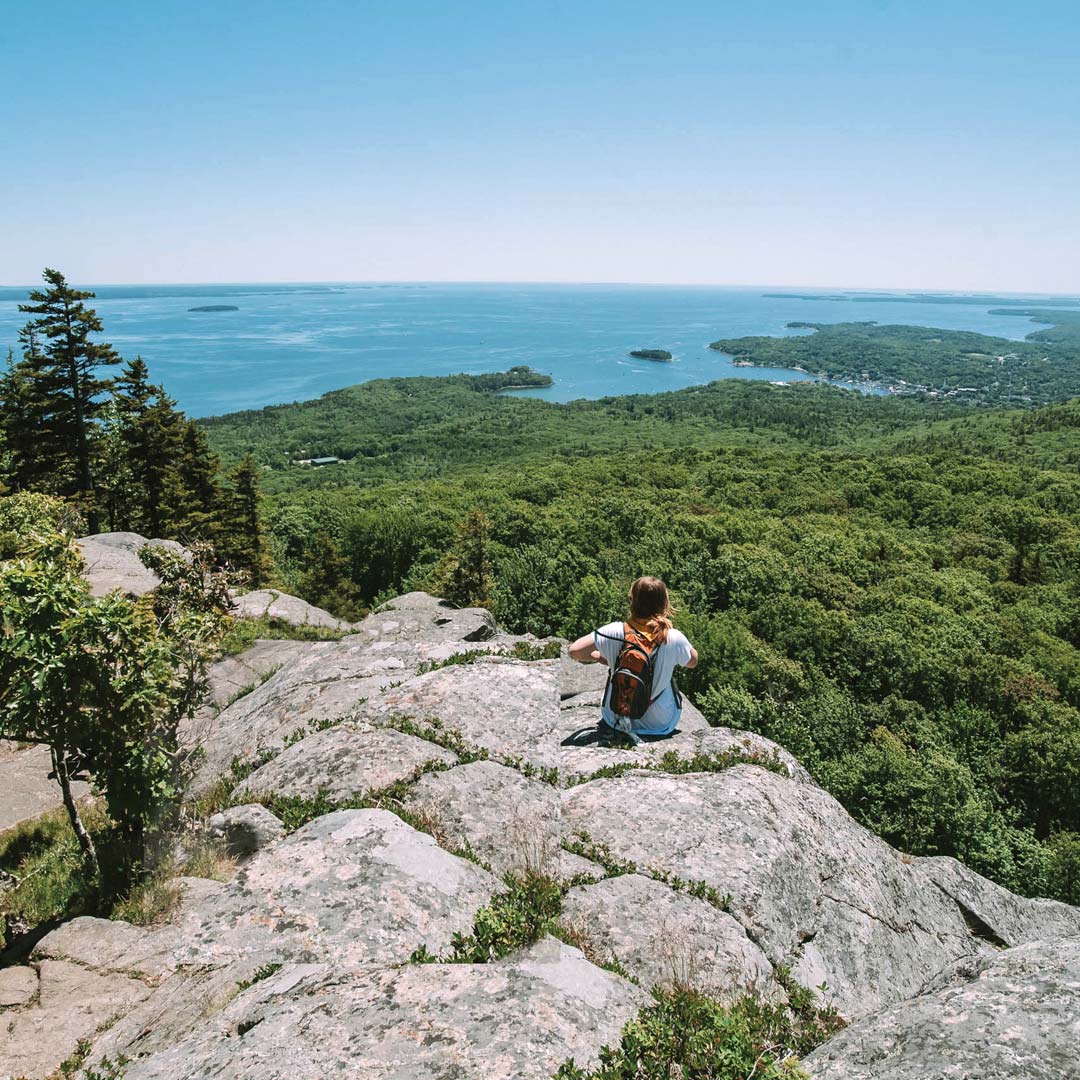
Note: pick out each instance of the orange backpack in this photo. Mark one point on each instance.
(629, 686)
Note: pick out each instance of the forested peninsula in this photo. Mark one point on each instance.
(929, 363)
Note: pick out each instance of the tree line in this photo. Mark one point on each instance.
(114, 445)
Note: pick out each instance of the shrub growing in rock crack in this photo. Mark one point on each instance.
(582, 844)
(687, 1034)
(295, 811)
(434, 731)
(266, 676)
(258, 975)
(575, 934)
(676, 765)
(520, 650)
(516, 918)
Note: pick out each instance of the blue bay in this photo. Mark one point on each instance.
(292, 342)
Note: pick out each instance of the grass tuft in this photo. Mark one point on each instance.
(42, 873)
(208, 859)
(245, 632)
(150, 902)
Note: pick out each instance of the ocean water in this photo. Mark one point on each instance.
(293, 342)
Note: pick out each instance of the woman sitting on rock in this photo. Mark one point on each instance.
(641, 655)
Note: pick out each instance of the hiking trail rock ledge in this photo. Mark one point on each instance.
(299, 966)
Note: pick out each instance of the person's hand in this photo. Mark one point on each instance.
(597, 657)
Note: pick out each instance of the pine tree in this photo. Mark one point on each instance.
(465, 576)
(153, 432)
(17, 434)
(117, 490)
(62, 364)
(193, 493)
(327, 582)
(35, 456)
(242, 541)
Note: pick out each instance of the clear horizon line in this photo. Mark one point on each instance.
(928, 290)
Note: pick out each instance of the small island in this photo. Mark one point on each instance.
(520, 377)
(215, 307)
(662, 355)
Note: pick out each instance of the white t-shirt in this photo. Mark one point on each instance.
(662, 716)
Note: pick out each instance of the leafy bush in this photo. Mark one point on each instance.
(688, 1035)
(106, 681)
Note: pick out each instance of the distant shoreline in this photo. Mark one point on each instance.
(295, 344)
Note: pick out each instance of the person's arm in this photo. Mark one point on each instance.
(686, 653)
(584, 651)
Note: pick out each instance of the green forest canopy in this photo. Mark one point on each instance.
(886, 586)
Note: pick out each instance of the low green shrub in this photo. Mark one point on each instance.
(520, 650)
(516, 918)
(673, 763)
(258, 975)
(434, 731)
(598, 852)
(688, 1035)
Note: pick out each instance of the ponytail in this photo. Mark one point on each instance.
(650, 608)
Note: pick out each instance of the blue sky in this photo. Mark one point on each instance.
(876, 143)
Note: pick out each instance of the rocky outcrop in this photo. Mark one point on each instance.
(812, 888)
(113, 563)
(693, 738)
(70, 1003)
(995, 914)
(713, 878)
(346, 761)
(667, 938)
(1013, 1015)
(352, 887)
(110, 948)
(272, 604)
(509, 820)
(513, 1021)
(330, 681)
(509, 709)
(423, 619)
(234, 676)
(243, 830)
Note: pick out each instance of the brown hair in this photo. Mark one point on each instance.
(650, 605)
